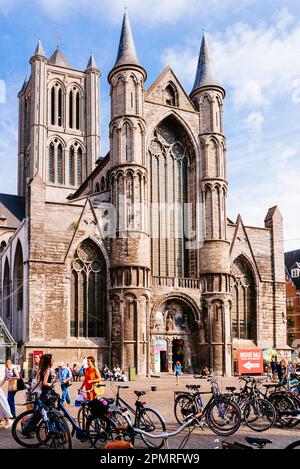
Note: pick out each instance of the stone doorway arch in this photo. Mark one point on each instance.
(174, 335)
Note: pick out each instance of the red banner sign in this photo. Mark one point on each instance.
(250, 361)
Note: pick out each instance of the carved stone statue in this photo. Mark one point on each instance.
(169, 322)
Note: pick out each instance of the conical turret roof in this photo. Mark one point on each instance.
(92, 63)
(127, 52)
(205, 75)
(39, 50)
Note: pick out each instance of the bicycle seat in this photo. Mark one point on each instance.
(193, 386)
(139, 393)
(230, 388)
(272, 385)
(261, 442)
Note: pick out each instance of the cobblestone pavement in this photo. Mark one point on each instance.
(162, 400)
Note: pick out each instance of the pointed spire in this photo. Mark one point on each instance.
(205, 75)
(126, 53)
(92, 63)
(58, 59)
(39, 51)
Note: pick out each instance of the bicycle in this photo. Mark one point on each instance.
(145, 418)
(42, 424)
(257, 412)
(221, 413)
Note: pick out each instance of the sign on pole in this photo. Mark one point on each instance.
(250, 362)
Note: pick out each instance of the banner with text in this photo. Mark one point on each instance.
(250, 361)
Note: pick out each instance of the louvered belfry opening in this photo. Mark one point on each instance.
(88, 292)
(172, 185)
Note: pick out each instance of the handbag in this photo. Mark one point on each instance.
(12, 385)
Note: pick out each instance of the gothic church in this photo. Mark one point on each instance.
(95, 258)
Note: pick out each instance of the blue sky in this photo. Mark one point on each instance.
(256, 49)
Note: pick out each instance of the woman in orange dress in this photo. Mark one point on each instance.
(91, 377)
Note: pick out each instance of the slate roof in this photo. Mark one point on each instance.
(127, 52)
(205, 75)
(292, 258)
(58, 59)
(12, 207)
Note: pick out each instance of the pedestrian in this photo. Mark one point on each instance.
(282, 371)
(75, 372)
(5, 413)
(65, 376)
(12, 376)
(45, 376)
(274, 368)
(91, 377)
(177, 370)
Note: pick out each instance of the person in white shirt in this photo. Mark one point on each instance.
(5, 413)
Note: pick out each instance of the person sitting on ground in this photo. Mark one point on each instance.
(117, 373)
(205, 371)
(75, 372)
(106, 373)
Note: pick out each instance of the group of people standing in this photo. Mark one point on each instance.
(281, 369)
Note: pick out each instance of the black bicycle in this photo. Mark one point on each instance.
(147, 419)
(222, 415)
(41, 424)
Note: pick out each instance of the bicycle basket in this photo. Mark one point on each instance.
(99, 390)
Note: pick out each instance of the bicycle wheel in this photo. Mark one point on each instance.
(282, 402)
(24, 429)
(294, 445)
(96, 432)
(121, 428)
(259, 415)
(150, 421)
(183, 406)
(58, 433)
(82, 417)
(223, 417)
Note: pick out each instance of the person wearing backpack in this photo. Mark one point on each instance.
(65, 378)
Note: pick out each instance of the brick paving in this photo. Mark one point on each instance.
(162, 400)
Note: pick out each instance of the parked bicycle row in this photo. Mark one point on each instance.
(101, 421)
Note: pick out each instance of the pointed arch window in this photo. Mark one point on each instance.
(53, 105)
(126, 142)
(71, 109)
(72, 166)
(18, 278)
(77, 111)
(51, 163)
(88, 292)
(171, 95)
(59, 116)
(79, 166)
(7, 291)
(243, 311)
(59, 164)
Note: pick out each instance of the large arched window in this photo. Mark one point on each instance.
(171, 187)
(88, 292)
(72, 166)
(56, 162)
(59, 164)
(243, 311)
(79, 166)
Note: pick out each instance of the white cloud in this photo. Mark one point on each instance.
(254, 123)
(150, 12)
(257, 64)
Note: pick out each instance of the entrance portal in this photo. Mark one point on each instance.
(161, 360)
(177, 352)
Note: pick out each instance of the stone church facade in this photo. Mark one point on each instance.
(101, 262)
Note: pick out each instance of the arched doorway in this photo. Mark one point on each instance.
(174, 336)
